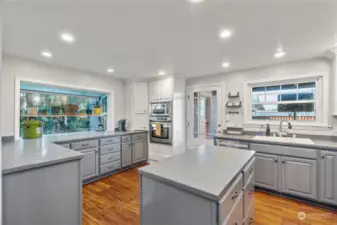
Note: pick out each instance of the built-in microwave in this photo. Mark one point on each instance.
(161, 109)
(161, 132)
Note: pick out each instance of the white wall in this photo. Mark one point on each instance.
(235, 81)
(0, 115)
(15, 67)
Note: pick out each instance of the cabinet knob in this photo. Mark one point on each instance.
(283, 162)
(323, 156)
(276, 160)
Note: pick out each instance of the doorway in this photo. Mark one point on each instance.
(204, 115)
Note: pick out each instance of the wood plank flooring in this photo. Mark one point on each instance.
(115, 201)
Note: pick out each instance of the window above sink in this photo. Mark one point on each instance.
(300, 99)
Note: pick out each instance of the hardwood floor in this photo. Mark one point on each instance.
(115, 200)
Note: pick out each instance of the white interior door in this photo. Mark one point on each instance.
(204, 114)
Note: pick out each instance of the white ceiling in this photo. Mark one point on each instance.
(139, 37)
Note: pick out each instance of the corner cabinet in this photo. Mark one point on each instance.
(299, 177)
(89, 163)
(328, 176)
(266, 171)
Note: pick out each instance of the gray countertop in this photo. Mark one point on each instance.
(28, 154)
(207, 170)
(318, 143)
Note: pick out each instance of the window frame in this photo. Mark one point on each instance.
(322, 109)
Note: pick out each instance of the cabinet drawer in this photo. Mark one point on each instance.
(249, 215)
(110, 140)
(65, 145)
(110, 167)
(109, 149)
(236, 214)
(109, 158)
(126, 138)
(248, 194)
(84, 144)
(248, 171)
(136, 137)
(227, 202)
(285, 150)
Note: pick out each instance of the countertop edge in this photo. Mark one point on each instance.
(41, 164)
(99, 136)
(179, 185)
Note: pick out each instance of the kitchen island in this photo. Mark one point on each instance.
(206, 185)
(42, 178)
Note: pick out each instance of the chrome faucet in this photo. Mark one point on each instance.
(280, 130)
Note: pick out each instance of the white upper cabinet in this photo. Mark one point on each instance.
(140, 98)
(161, 90)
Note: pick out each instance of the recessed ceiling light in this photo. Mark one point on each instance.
(279, 53)
(66, 37)
(225, 34)
(110, 70)
(161, 73)
(225, 64)
(47, 54)
(196, 1)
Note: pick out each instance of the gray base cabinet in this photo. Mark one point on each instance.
(299, 177)
(328, 175)
(266, 171)
(126, 154)
(108, 154)
(45, 195)
(138, 150)
(89, 164)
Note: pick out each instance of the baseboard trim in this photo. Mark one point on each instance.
(299, 199)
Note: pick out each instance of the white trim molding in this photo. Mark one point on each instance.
(18, 80)
(322, 101)
(220, 88)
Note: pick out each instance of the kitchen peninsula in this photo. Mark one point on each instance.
(206, 185)
(42, 178)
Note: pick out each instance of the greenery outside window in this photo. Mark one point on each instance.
(63, 110)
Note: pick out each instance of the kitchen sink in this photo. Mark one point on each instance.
(285, 140)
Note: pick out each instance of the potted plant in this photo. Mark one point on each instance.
(98, 106)
(88, 110)
(55, 107)
(72, 107)
(42, 110)
(82, 110)
(33, 110)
